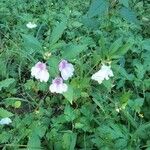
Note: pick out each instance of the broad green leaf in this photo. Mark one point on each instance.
(58, 31)
(129, 15)
(69, 140)
(91, 23)
(34, 142)
(6, 83)
(4, 113)
(123, 49)
(72, 51)
(146, 44)
(115, 45)
(124, 2)
(141, 129)
(97, 7)
(98, 104)
(57, 45)
(31, 44)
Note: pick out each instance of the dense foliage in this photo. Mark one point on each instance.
(111, 115)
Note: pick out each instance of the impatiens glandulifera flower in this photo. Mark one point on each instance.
(31, 25)
(66, 69)
(103, 74)
(4, 121)
(58, 86)
(40, 72)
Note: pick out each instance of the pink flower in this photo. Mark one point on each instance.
(66, 69)
(40, 72)
(58, 86)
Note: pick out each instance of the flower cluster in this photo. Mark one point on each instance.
(40, 72)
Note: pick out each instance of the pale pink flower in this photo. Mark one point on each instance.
(58, 86)
(66, 69)
(103, 74)
(40, 72)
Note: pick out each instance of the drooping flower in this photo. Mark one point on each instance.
(4, 121)
(40, 72)
(31, 25)
(66, 69)
(103, 74)
(58, 86)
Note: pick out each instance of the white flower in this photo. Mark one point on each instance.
(118, 110)
(31, 25)
(103, 74)
(66, 69)
(58, 86)
(4, 121)
(40, 72)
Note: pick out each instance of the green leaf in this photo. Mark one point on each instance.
(31, 44)
(123, 49)
(146, 44)
(58, 31)
(115, 46)
(124, 2)
(97, 7)
(53, 65)
(69, 140)
(69, 113)
(6, 83)
(34, 142)
(4, 113)
(69, 95)
(91, 23)
(17, 104)
(98, 104)
(129, 15)
(72, 51)
(136, 104)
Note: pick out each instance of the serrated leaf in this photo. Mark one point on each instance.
(123, 49)
(58, 31)
(97, 7)
(129, 15)
(72, 51)
(115, 45)
(4, 113)
(69, 113)
(136, 104)
(31, 44)
(6, 83)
